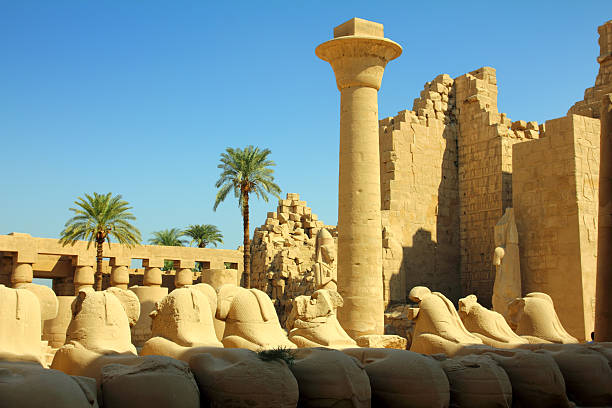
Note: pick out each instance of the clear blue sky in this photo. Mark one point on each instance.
(141, 97)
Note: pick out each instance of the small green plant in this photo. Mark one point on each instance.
(280, 353)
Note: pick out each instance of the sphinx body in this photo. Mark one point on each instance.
(250, 319)
(181, 321)
(489, 326)
(313, 322)
(98, 332)
(438, 327)
(536, 320)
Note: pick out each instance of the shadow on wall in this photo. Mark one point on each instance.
(434, 261)
(421, 263)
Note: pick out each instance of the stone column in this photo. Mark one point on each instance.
(152, 277)
(358, 55)
(184, 272)
(120, 272)
(22, 274)
(603, 301)
(120, 276)
(83, 278)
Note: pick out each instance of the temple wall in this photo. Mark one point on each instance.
(485, 171)
(418, 151)
(555, 195)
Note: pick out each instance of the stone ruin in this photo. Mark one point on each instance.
(223, 345)
(284, 253)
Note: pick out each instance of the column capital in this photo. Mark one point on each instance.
(359, 53)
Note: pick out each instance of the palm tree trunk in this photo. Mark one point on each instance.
(98, 277)
(247, 240)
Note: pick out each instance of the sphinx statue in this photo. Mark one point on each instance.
(250, 320)
(20, 328)
(489, 326)
(99, 328)
(536, 320)
(507, 285)
(182, 319)
(313, 323)
(438, 327)
(325, 267)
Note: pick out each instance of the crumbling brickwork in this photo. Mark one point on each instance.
(591, 104)
(283, 253)
(555, 199)
(418, 152)
(485, 172)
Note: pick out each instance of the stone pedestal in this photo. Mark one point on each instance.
(603, 302)
(358, 55)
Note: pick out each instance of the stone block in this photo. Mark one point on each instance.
(382, 341)
(359, 27)
(519, 125)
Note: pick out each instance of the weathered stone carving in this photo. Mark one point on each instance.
(250, 320)
(489, 326)
(20, 329)
(507, 286)
(100, 328)
(240, 378)
(418, 380)
(185, 317)
(325, 267)
(313, 323)
(535, 319)
(284, 254)
(438, 326)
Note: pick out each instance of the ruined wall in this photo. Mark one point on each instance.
(591, 104)
(418, 151)
(283, 253)
(485, 172)
(446, 178)
(555, 194)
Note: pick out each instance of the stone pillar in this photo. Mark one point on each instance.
(152, 277)
(603, 302)
(358, 55)
(183, 277)
(22, 274)
(120, 277)
(83, 278)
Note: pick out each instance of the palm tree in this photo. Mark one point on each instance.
(204, 234)
(96, 219)
(244, 172)
(168, 237)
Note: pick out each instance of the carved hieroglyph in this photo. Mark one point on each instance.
(507, 286)
(358, 55)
